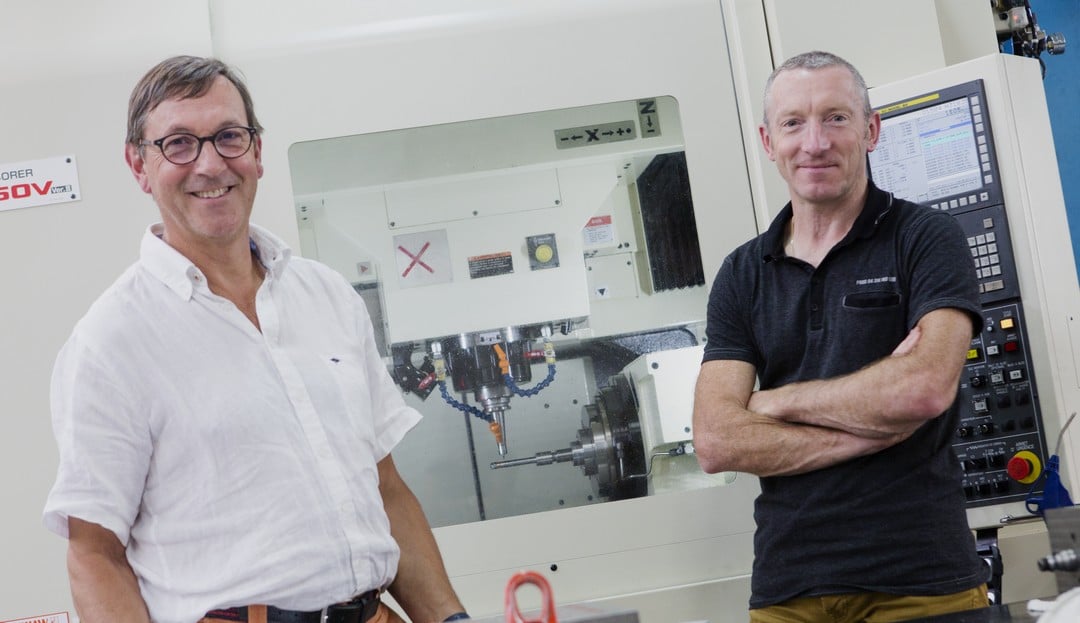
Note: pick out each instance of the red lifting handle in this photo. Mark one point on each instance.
(547, 608)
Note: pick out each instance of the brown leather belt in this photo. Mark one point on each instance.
(359, 609)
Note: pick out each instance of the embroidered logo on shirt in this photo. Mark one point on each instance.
(873, 280)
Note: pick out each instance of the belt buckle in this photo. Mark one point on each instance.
(357, 610)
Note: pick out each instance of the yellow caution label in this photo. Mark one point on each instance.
(909, 103)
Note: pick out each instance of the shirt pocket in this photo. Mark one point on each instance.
(870, 301)
(872, 323)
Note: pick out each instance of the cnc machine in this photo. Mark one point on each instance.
(535, 272)
(532, 199)
(535, 247)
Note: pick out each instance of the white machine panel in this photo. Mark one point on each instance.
(443, 201)
(664, 382)
(1028, 282)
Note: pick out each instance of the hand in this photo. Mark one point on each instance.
(909, 343)
(759, 403)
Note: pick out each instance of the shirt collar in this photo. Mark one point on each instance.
(877, 207)
(182, 276)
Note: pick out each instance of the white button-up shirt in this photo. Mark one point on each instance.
(236, 466)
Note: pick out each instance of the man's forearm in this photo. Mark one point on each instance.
(764, 446)
(730, 437)
(892, 396)
(421, 586)
(846, 404)
(103, 586)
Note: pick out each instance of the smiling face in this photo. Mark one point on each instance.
(818, 135)
(204, 204)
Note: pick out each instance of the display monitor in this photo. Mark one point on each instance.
(937, 149)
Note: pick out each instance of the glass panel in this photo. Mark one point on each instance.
(538, 294)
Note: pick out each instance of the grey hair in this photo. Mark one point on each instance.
(817, 60)
(181, 77)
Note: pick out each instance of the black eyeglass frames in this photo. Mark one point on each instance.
(185, 148)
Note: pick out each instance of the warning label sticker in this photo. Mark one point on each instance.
(491, 265)
(599, 231)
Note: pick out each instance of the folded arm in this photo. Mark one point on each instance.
(807, 426)
(421, 586)
(730, 437)
(103, 586)
(890, 397)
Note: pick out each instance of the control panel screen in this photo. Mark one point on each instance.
(937, 149)
(929, 153)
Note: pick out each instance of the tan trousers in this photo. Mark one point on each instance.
(257, 614)
(868, 607)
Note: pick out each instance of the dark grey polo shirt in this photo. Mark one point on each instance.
(891, 522)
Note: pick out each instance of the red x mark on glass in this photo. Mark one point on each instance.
(416, 259)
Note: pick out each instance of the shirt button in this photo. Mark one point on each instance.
(814, 307)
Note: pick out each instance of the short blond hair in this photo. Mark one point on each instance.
(817, 60)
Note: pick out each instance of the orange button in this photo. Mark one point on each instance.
(1007, 323)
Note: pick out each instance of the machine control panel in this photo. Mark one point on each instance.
(938, 149)
(999, 438)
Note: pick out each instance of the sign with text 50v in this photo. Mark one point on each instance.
(38, 182)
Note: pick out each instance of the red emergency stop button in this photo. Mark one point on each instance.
(1020, 468)
(1024, 467)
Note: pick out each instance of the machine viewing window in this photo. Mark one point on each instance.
(537, 292)
(935, 149)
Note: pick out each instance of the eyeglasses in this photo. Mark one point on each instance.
(184, 148)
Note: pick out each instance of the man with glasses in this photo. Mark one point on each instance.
(223, 417)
